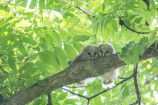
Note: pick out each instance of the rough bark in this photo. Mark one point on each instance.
(74, 73)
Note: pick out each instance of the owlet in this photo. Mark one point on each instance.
(89, 52)
(107, 78)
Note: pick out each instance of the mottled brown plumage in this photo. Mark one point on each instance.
(89, 52)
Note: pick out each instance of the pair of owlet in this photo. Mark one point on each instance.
(92, 52)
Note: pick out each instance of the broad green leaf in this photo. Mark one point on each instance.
(96, 9)
(125, 92)
(50, 3)
(78, 46)
(2, 78)
(21, 47)
(61, 56)
(62, 96)
(49, 57)
(38, 102)
(41, 82)
(33, 4)
(79, 38)
(70, 52)
(29, 40)
(56, 37)
(97, 100)
(41, 5)
(11, 61)
(70, 101)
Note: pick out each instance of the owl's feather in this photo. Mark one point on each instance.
(89, 52)
(107, 78)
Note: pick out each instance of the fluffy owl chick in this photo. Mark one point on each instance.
(89, 52)
(107, 78)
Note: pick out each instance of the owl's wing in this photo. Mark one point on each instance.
(80, 57)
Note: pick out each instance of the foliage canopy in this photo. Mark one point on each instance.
(39, 37)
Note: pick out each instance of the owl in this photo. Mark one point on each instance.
(89, 52)
(107, 78)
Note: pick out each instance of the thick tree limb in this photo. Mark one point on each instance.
(72, 74)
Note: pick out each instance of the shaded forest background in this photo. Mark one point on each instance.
(39, 37)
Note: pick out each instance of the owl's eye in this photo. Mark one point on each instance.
(89, 53)
(107, 51)
(95, 53)
(101, 51)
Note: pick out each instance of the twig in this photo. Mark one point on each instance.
(85, 12)
(148, 81)
(11, 85)
(20, 76)
(77, 86)
(19, 79)
(122, 23)
(49, 99)
(111, 87)
(89, 98)
(136, 84)
(7, 5)
(88, 101)
(76, 94)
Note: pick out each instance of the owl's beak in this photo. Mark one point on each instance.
(92, 57)
(103, 54)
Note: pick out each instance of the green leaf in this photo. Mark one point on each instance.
(61, 56)
(70, 51)
(21, 47)
(11, 61)
(62, 96)
(97, 100)
(79, 38)
(125, 92)
(138, 20)
(37, 101)
(2, 78)
(70, 101)
(96, 9)
(56, 37)
(33, 4)
(78, 46)
(41, 5)
(49, 57)
(29, 40)
(41, 82)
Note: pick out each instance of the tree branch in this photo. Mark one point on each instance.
(89, 98)
(74, 73)
(122, 23)
(111, 87)
(19, 79)
(136, 84)
(49, 99)
(11, 85)
(75, 93)
(85, 12)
